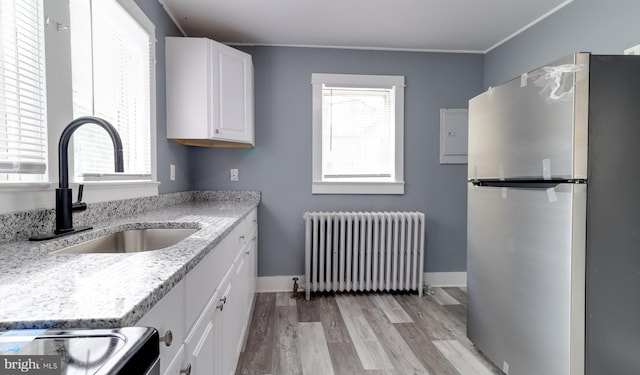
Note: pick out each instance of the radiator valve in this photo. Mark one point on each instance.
(296, 287)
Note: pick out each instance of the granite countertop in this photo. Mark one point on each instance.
(44, 290)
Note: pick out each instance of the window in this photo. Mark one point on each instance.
(69, 58)
(111, 69)
(23, 132)
(358, 134)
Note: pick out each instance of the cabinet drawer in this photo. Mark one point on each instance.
(251, 224)
(195, 334)
(174, 365)
(168, 315)
(202, 281)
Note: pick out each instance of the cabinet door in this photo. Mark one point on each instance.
(228, 318)
(201, 341)
(233, 315)
(167, 316)
(232, 95)
(253, 267)
(201, 355)
(252, 255)
(218, 342)
(205, 344)
(188, 73)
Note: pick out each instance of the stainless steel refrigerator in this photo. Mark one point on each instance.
(553, 238)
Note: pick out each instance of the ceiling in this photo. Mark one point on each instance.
(420, 25)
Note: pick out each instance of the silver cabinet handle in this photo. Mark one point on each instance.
(186, 370)
(220, 306)
(167, 339)
(216, 131)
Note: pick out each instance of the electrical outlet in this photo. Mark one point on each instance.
(234, 174)
(172, 172)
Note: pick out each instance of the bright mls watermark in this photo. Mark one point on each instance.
(30, 364)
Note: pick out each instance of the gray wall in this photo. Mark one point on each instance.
(597, 26)
(168, 152)
(280, 165)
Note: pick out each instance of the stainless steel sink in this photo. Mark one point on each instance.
(131, 241)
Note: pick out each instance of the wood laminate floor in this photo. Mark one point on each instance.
(381, 334)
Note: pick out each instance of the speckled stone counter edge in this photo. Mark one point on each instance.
(17, 226)
(228, 198)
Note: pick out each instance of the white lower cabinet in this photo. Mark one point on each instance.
(208, 311)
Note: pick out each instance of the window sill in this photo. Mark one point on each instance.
(396, 188)
(100, 191)
(6, 187)
(40, 195)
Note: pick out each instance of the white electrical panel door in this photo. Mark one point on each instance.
(454, 135)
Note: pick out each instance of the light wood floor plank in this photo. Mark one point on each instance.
(458, 312)
(424, 349)
(284, 299)
(364, 300)
(308, 310)
(357, 331)
(394, 312)
(286, 359)
(314, 353)
(443, 298)
(441, 315)
(464, 360)
(457, 328)
(458, 294)
(335, 330)
(416, 309)
(400, 354)
(370, 352)
(345, 359)
(257, 357)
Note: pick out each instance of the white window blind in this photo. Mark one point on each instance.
(111, 67)
(23, 134)
(357, 133)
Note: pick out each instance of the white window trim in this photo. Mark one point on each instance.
(21, 196)
(319, 186)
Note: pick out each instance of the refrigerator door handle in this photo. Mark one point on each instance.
(532, 184)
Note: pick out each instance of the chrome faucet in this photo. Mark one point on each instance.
(64, 202)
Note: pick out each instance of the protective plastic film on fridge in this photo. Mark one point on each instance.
(553, 257)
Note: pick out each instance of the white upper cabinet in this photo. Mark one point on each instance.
(209, 93)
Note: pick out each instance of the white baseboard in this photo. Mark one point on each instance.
(269, 284)
(445, 278)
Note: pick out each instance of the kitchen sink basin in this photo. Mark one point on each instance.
(131, 241)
